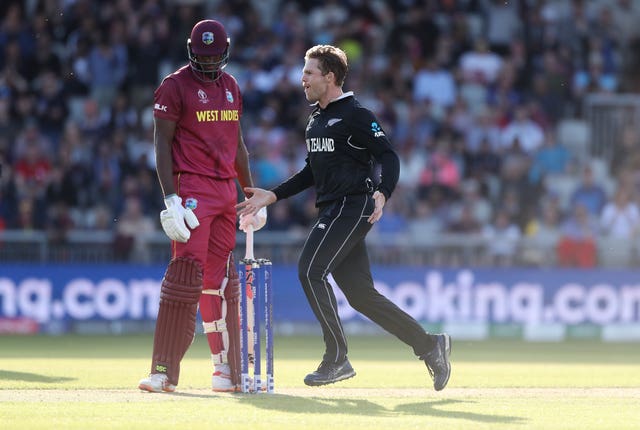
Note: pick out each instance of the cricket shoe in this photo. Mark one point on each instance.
(437, 361)
(156, 383)
(221, 379)
(328, 373)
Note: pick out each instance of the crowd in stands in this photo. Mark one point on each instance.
(470, 92)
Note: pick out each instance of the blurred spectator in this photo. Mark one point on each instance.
(480, 65)
(593, 79)
(58, 222)
(32, 137)
(30, 214)
(107, 173)
(122, 113)
(412, 161)
(577, 244)
(514, 181)
(542, 234)
(573, 29)
(75, 157)
(476, 197)
(440, 172)
(279, 219)
(44, 57)
(528, 133)
(8, 193)
(604, 41)
(484, 166)
(502, 23)
(484, 130)
(24, 107)
(507, 93)
(414, 31)
(93, 121)
(424, 224)
(60, 190)
(625, 17)
(146, 55)
(107, 64)
(132, 232)
(626, 152)
(589, 193)
(466, 221)
(549, 84)
(51, 105)
(78, 78)
(502, 237)
(8, 128)
(620, 217)
(99, 218)
(550, 159)
(32, 164)
(435, 83)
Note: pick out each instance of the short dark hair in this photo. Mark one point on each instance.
(330, 59)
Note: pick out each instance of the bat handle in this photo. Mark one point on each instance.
(249, 244)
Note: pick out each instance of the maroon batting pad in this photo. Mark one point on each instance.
(176, 324)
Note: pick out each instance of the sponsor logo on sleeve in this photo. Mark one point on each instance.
(376, 130)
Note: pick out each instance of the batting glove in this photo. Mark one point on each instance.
(173, 219)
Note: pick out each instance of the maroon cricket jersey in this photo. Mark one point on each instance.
(207, 116)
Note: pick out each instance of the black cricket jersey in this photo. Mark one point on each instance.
(343, 142)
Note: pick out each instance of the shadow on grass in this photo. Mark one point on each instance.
(8, 375)
(432, 409)
(323, 405)
(316, 405)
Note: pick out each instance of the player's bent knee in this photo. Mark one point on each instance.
(182, 281)
(311, 272)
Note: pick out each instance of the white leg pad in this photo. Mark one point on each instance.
(219, 358)
(219, 326)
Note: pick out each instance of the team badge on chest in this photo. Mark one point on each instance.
(229, 96)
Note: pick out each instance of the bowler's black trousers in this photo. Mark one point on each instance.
(336, 245)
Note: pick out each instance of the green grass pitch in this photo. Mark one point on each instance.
(89, 382)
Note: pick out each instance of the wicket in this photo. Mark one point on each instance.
(256, 305)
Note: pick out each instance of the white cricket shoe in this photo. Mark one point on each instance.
(221, 379)
(156, 383)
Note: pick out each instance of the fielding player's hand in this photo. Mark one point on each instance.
(176, 218)
(256, 222)
(259, 200)
(379, 200)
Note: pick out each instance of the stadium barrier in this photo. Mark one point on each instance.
(480, 303)
(441, 250)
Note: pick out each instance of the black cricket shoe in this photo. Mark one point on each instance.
(437, 361)
(328, 373)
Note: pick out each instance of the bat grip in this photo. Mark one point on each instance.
(249, 244)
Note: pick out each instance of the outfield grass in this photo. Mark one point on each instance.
(80, 382)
